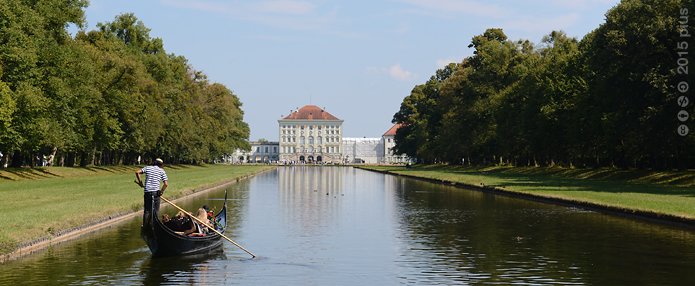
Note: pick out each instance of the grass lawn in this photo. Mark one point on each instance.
(39, 202)
(659, 192)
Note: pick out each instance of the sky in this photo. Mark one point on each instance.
(357, 59)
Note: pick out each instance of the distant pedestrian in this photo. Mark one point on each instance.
(154, 175)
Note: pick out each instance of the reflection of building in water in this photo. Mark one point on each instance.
(310, 196)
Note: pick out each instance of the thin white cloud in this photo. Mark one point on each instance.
(285, 14)
(461, 7)
(285, 7)
(395, 72)
(398, 73)
(581, 4)
(532, 24)
(445, 62)
(199, 5)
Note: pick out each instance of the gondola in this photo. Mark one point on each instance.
(163, 241)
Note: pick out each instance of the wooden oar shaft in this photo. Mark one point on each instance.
(210, 227)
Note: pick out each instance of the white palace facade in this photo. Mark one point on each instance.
(310, 134)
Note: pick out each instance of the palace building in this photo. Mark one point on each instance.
(310, 134)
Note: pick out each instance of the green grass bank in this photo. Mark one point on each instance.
(666, 196)
(39, 203)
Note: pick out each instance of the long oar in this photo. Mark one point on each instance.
(212, 228)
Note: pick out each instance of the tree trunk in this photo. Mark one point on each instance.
(71, 159)
(84, 159)
(17, 159)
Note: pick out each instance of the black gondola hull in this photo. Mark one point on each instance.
(162, 241)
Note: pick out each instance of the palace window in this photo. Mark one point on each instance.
(301, 140)
(318, 140)
(311, 140)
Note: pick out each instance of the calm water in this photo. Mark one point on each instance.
(343, 226)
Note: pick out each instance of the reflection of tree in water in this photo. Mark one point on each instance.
(184, 270)
(472, 237)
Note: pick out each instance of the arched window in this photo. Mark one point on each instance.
(318, 140)
(301, 140)
(311, 140)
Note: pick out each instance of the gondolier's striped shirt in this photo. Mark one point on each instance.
(154, 176)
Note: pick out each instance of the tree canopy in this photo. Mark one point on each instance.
(608, 99)
(108, 96)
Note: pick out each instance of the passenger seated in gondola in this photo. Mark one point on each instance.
(201, 228)
(211, 216)
(181, 224)
(203, 216)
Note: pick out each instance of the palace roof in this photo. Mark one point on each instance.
(392, 131)
(311, 112)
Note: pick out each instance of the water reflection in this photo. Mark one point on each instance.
(186, 270)
(373, 229)
(472, 237)
(309, 198)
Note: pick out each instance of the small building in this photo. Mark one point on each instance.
(389, 143)
(363, 150)
(261, 152)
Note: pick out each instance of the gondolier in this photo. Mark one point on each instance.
(154, 175)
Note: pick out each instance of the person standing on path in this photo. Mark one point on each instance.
(155, 175)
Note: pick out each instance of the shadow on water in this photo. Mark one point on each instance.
(186, 269)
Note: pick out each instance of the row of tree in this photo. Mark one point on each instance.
(108, 96)
(609, 99)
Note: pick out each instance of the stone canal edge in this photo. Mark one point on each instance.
(617, 211)
(37, 245)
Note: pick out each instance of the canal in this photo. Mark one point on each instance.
(345, 226)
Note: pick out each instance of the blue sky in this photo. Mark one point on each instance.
(358, 59)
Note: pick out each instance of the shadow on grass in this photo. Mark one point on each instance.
(181, 167)
(670, 183)
(28, 173)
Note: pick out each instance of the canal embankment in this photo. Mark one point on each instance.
(44, 206)
(665, 197)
